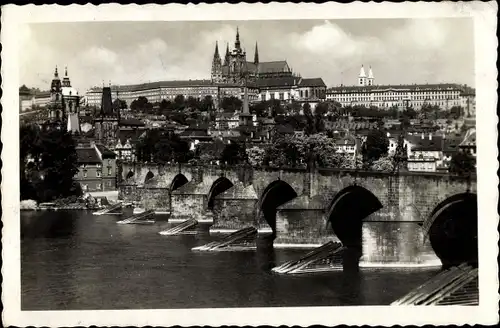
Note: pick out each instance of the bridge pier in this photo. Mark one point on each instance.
(302, 223)
(395, 243)
(234, 209)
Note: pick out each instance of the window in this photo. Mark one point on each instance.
(98, 186)
(84, 174)
(110, 171)
(98, 173)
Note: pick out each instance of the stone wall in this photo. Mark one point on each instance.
(395, 233)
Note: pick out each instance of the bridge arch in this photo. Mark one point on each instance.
(452, 229)
(276, 194)
(178, 181)
(219, 186)
(149, 176)
(129, 175)
(346, 213)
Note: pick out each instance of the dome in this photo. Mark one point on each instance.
(69, 91)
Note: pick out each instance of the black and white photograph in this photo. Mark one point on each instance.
(234, 164)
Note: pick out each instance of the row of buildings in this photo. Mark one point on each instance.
(368, 93)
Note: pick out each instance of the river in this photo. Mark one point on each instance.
(72, 260)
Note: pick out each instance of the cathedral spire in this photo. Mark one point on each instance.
(56, 74)
(66, 71)
(256, 56)
(226, 58)
(216, 54)
(237, 43)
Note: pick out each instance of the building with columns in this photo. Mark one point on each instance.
(368, 93)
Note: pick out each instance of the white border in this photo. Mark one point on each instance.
(485, 24)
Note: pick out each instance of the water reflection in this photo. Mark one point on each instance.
(74, 260)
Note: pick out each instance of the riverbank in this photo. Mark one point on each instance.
(72, 203)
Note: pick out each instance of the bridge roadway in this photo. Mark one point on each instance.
(404, 219)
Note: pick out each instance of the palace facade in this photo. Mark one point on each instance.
(368, 93)
(168, 90)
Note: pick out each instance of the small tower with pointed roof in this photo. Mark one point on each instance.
(216, 65)
(371, 78)
(56, 106)
(362, 76)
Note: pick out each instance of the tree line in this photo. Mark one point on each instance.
(48, 164)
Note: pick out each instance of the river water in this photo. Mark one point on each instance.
(74, 260)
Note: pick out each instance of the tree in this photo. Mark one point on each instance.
(234, 153)
(179, 100)
(323, 150)
(385, 164)
(376, 146)
(231, 104)
(284, 151)
(456, 112)
(321, 109)
(162, 147)
(48, 164)
(119, 104)
(141, 104)
(462, 163)
(210, 152)
(256, 156)
(207, 104)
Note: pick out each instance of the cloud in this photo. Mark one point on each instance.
(406, 51)
(98, 56)
(331, 40)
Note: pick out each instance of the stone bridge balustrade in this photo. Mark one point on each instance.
(386, 217)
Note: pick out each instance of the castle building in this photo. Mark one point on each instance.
(229, 77)
(367, 93)
(235, 68)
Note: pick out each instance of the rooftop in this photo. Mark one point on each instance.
(87, 155)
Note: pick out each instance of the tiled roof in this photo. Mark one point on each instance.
(86, 119)
(347, 140)
(284, 128)
(313, 82)
(105, 152)
(273, 66)
(287, 81)
(131, 122)
(469, 139)
(419, 143)
(131, 135)
(87, 156)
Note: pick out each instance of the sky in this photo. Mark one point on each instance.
(400, 51)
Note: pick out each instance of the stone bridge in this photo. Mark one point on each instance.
(404, 219)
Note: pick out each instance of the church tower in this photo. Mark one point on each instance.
(216, 65)
(362, 76)
(371, 78)
(56, 105)
(237, 61)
